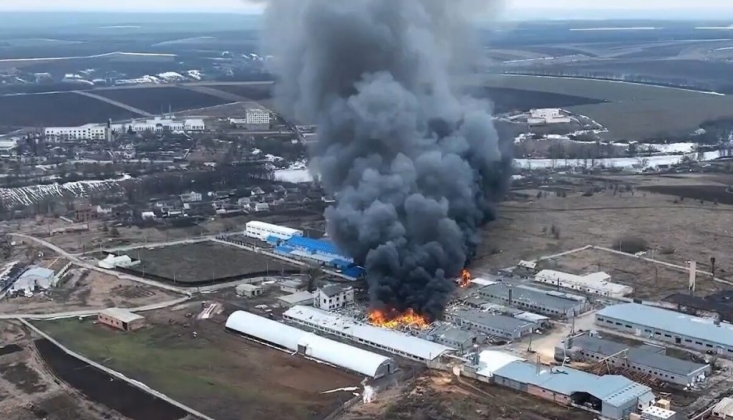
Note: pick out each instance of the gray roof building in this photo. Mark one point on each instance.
(452, 336)
(646, 359)
(664, 325)
(492, 324)
(334, 289)
(613, 396)
(535, 300)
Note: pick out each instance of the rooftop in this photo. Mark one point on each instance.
(612, 389)
(451, 333)
(530, 295)
(499, 322)
(664, 320)
(296, 297)
(645, 355)
(394, 340)
(121, 314)
(334, 289)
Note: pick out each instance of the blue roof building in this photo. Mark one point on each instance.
(318, 250)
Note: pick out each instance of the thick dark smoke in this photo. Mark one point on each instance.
(415, 169)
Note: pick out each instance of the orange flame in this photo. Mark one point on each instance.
(465, 279)
(390, 319)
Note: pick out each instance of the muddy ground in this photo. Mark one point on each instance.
(29, 390)
(218, 373)
(87, 289)
(691, 230)
(440, 396)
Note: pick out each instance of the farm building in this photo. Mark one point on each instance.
(310, 345)
(113, 261)
(333, 296)
(298, 298)
(262, 231)
(612, 396)
(595, 283)
(249, 290)
(32, 279)
(388, 340)
(317, 250)
(547, 116)
(492, 360)
(650, 360)
(291, 286)
(452, 337)
(561, 305)
(122, 319)
(490, 324)
(663, 325)
(540, 321)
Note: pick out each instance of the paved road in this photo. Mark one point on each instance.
(93, 312)
(113, 102)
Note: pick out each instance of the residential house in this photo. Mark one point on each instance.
(333, 296)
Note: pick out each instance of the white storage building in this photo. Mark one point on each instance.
(595, 283)
(262, 230)
(310, 345)
(392, 341)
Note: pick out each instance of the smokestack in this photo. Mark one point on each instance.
(416, 167)
(693, 276)
(712, 267)
(510, 297)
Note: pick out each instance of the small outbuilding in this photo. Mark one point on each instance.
(297, 298)
(122, 319)
(249, 290)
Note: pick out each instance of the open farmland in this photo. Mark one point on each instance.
(158, 100)
(678, 232)
(217, 373)
(253, 92)
(508, 99)
(203, 262)
(56, 109)
(630, 111)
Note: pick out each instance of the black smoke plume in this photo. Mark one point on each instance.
(416, 169)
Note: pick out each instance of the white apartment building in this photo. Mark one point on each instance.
(333, 296)
(262, 230)
(84, 132)
(192, 197)
(257, 119)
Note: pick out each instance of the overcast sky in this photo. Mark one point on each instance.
(557, 8)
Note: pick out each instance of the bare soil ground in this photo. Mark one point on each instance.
(86, 289)
(202, 262)
(218, 373)
(438, 395)
(649, 280)
(693, 230)
(29, 391)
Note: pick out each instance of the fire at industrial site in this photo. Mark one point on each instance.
(465, 279)
(394, 319)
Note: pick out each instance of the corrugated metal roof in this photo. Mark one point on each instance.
(394, 340)
(297, 297)
(529, 295)
(647, 356)
(725, 406)
(612, 389)
(670, 321)
(490, 361)
(499, 322)
(339, 354)
(121, 314)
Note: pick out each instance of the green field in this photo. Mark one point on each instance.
(217, 373)
(633, 111)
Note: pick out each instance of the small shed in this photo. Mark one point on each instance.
(249, 290)
(297, 298)
(122, 319)
(291, 286)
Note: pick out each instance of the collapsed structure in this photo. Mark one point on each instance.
(310, 345)
(596, 283)
(645, 360)
(387, 340)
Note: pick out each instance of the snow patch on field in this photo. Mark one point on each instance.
(38, 193)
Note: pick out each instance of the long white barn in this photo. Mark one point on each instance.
(381, 338)
(311, 345)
